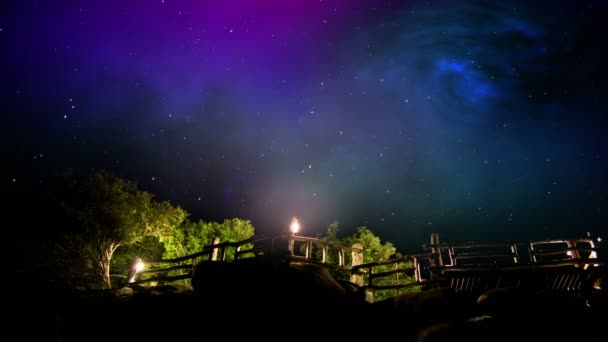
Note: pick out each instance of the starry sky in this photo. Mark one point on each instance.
(479, 120)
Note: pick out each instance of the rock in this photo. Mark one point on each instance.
(479, 328)
(122, 292)
(436, 303)
(414, 311)
(501, 302)
(277, 287)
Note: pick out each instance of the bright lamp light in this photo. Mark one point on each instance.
(139, 266)
(294, 227)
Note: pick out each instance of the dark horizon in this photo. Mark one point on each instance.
(480, 121)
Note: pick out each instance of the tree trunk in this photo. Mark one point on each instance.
(103, 264)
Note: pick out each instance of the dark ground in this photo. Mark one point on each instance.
(276, 301)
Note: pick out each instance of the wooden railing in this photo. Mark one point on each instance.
(476, 267)
(582, 252)
(556, 265)
(301, 248)
(468, 266)
(396, 274)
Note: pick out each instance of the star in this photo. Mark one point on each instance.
(182, 100)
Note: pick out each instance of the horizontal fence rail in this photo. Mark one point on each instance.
(298, 248)
(555, 265)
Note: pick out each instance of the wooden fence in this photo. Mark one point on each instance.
(555, 265)
(558, 265)
(297, 248)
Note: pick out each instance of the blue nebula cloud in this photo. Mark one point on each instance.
(488, 90)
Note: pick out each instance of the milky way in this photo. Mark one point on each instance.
(477, 120)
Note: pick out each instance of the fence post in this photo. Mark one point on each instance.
(515, 253)
(573, 253)
(324, 256)
(224, 253)
(308, 249)
(417, 276)
(290, 244)
(532, 252)
(436, 261)
(436, 249)
(216, 240)
(357, 259)
(452, 255)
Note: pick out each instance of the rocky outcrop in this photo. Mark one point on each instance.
(273, 300)
(287, 291)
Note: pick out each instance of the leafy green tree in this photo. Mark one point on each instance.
(191, 237)
(331, 237)
(374, 251)
(109, 212)
(332, 232)
(149, 248)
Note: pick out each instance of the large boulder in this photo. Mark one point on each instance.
(479, 328)
(511, 302)
(272, 291)
(544, 314)
(414, 311)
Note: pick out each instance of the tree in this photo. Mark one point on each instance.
(374, 250)
(192, 237)
(332, 232)
(331, 237)
(109, 212)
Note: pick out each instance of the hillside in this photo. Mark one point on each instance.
(275, 301)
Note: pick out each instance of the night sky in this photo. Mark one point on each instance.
(480, 121)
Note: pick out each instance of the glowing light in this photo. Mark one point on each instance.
(139, 266)
(294, 227)
(593, 255)
(598, 284)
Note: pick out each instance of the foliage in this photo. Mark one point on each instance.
(374, 251)
(331, 237)
(149, 248)
(192, 237)
(109, 212)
